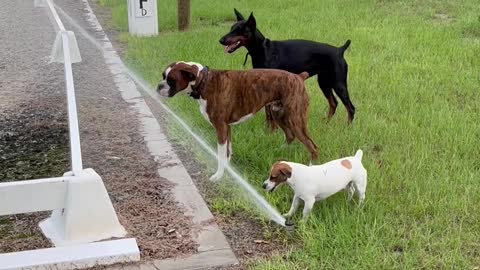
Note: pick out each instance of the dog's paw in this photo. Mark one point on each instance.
(287, 215)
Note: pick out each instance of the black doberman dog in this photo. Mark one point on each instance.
(295, 56)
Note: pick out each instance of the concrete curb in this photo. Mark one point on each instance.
(213, 249)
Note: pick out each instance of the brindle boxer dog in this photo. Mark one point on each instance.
(229, 97)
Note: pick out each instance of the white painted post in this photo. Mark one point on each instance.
(57, 54)
(142, 17)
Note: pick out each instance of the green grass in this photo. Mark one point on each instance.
(415, 80)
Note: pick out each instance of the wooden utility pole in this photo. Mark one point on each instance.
(183, 16)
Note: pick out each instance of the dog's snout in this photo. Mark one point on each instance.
(160, 85)
(264, 185)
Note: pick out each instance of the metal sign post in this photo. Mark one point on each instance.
(142, 17)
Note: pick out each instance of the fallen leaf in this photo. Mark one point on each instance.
(260, 242)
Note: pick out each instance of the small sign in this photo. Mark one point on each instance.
(143, 8)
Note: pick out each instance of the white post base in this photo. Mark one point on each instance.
(88, 215)
(75, 257)
(57, 49)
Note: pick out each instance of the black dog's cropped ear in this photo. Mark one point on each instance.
(239, 15)
(251, 21)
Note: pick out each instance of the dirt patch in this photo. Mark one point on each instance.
(21, 232)
(443, 18)
(34, 142)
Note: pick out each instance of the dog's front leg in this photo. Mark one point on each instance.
(307, 208)
(222, 150)
(294, 207)
(222, 160)
(229, 143)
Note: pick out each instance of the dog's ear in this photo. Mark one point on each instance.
(189, 75)
(189, 72)
(251, 21)
(239, 15)
(286, 170)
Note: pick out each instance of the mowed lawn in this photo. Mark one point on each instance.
(414, 77)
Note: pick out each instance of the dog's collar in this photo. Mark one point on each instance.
(200, 84)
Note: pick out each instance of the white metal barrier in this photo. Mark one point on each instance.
(82, 212)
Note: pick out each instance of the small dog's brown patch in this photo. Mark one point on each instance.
(346, 163)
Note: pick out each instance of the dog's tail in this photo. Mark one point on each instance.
(359, 154)
(304, 75)
(345, 47)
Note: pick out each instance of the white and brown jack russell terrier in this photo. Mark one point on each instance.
(316, 183)
(229, 97)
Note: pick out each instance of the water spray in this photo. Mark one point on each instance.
(147, 89)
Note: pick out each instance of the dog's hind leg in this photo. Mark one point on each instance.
(279, 118)
(307, 208)
(289, 136)
(302, 135)
(361, 185)
(350, 188)
(269, 117)
(326, 87)
(341, 89)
